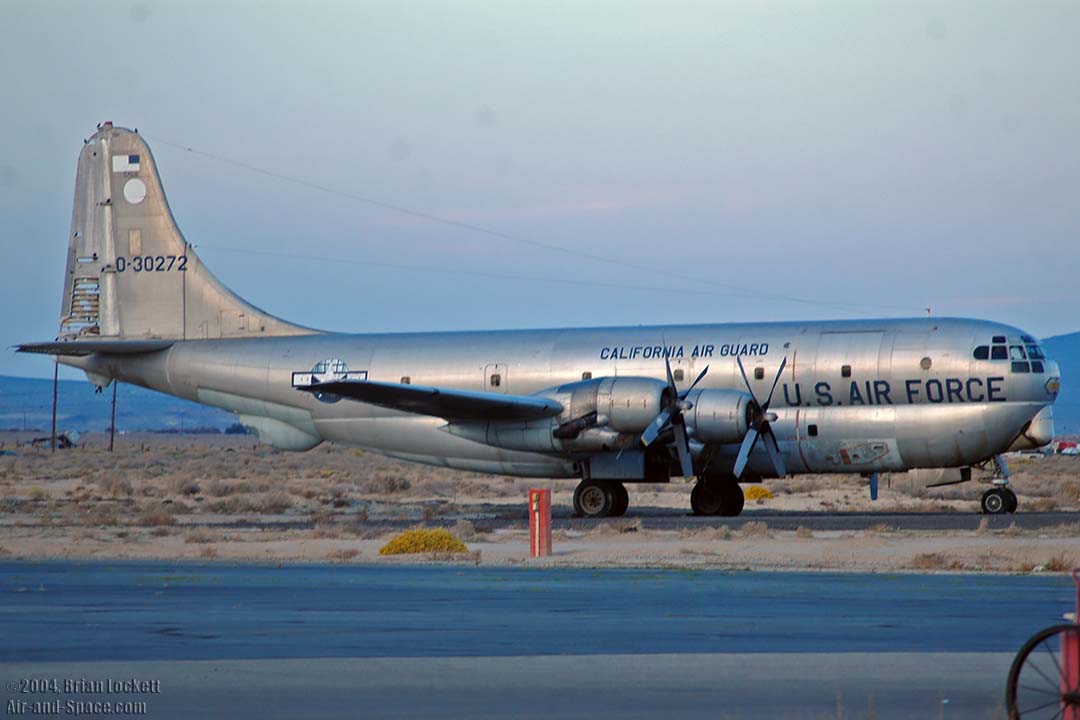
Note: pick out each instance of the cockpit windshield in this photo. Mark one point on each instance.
(1024, 353)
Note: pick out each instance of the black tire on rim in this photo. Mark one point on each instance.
(733, 500)
(993, 502)
(1011, 503)
(621, 499)
(1035, 686)
(706, 498)
(593, 499)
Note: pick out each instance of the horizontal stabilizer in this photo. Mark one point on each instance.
(79, 348)
(439, 402)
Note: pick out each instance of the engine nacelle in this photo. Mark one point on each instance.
(719, 416)
(630, 403)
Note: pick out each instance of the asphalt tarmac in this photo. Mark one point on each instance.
(332, 640)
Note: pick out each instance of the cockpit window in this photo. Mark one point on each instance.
(1020, 366)
(1035, 352)
(982, 352)
(1016, 352)
(999, 339)
(1036, 366)
(999, 352)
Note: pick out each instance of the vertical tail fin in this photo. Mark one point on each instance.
(130, 273)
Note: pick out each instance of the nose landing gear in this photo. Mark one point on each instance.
(999, 499)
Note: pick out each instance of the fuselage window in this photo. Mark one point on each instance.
(678, 374)
(999, 352)
(759, 373)
(1035, 352)
(982, 352)
(496, 379)
(845, 371)
(406, 380)
(1019, 366)
(1037, 366)
(586, 375)
(812, 430)
(1016, 352)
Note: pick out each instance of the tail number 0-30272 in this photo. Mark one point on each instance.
(152, 263)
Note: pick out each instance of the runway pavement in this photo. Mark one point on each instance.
(327, 640)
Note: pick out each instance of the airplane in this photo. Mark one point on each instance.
(608, 406)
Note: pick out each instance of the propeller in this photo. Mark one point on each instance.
(672, 416)
(760, 426)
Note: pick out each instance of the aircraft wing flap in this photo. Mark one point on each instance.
(78, 348)
(440, 402)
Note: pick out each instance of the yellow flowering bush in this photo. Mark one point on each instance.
(759, 492)
(423, 541)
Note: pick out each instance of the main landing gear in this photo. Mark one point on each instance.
(600, 498)
(717, 497)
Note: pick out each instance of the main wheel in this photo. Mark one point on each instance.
(1011, 502)
(1044, 680)
(733, 499)
(994, 502)
(621, 499)
(706, 498)
(593, 499)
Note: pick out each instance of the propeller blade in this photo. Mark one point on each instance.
(745, 449)
(746, 381)
(873, 486)
(656, 426)
(701, 374)
(776, 380)
(670, 377)
(774, 452)
(682, 445)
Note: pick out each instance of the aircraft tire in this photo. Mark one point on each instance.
(706, 498)
(994, 502)
(733, 500)
(593, 499)
(1011, 503)
(621, 499)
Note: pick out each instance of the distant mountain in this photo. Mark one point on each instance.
(1065, 349)
(27, 402)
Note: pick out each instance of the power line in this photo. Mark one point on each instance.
(490, 232)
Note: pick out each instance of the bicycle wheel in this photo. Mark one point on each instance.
(1044, 680)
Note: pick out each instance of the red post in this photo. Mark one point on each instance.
(539, 522)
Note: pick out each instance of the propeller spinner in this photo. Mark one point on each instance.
(760, 426)
(672, 416)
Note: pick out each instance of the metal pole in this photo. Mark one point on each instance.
(55, 382)
(112, 425)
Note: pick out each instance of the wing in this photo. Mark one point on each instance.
(440, 402)
(90, 347)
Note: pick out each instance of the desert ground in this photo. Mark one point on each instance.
(164, 496)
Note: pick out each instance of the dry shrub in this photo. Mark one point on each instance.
(423, 541)
(754, 529)
(155, 517)
(208, 551)
(880, 528)
(200, 536)
(343, 555)
(1058, 563)
(219, 488)
(325, 532)
(758, 492)
(228, 506)
(465, 530)
(708, 532)
(932, 561)
(384, 482)
(181, 485)
(804, 532)
(161, 531)
(115, 487)
(1042, 504)
(268, 504)
(37, 493)
(984, 526)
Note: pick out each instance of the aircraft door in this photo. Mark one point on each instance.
(495, 378)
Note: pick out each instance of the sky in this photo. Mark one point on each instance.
(565, 164)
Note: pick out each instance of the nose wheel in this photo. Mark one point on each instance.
(998, 501)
